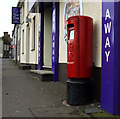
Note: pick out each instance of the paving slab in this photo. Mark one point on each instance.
(43, 72)
(25, 95)
(43, 75)
(57, 112)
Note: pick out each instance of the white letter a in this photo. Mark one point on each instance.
(107, 14)
(107, 42)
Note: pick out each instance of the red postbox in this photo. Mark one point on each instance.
(79, 60)
(80, 47)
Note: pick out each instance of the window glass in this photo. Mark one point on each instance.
(71, 34)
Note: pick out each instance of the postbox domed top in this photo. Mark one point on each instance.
(79, 16)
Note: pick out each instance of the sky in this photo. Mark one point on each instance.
(6, 15)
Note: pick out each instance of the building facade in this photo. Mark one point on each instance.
(40, 41)
(39, 38)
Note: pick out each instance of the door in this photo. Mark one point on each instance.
(28, 44)
(47, 45)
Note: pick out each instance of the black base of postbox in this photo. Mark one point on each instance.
(79, 91)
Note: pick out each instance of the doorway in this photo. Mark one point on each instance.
(47, 41)
(48, 54)
(27, 44)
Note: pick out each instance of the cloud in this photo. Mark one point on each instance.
(5, 16)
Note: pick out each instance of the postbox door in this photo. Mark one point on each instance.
(72, 48)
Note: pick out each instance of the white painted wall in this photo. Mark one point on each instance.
(15, 43)
(62, 42)
(89, 8)
(23, 54)
(23, 27)
(33, 55)
(94, 10)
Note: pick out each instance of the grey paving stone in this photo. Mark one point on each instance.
(22, 92)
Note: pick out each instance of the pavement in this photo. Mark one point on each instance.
(24, 95)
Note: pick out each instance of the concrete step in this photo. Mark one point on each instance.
(24, 67)
(47, 68)
(43, 75)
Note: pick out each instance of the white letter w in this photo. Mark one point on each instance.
(107, 27)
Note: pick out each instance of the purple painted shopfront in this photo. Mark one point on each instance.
(55, 35)
(55, 40)
(110, 74)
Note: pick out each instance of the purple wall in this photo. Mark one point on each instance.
(110, 80)
(40, 45)
(55, 40)
(40, 42)
(15, 15)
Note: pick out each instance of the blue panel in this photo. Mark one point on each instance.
(110, 82)
(40, 44)
(15, 15)
(117, 58)
(55, 40)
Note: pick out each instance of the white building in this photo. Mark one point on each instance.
(41, 47)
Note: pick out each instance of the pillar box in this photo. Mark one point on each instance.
(79, 59)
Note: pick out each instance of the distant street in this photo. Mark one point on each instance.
(26, 96)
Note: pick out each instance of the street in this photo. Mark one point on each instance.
(25, 95)
(59, 59)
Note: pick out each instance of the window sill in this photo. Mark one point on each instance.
(33, 50)
(22, 22)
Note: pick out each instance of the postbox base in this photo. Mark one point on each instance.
(79, 91)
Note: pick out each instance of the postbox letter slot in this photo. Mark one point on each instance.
(70, 25)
